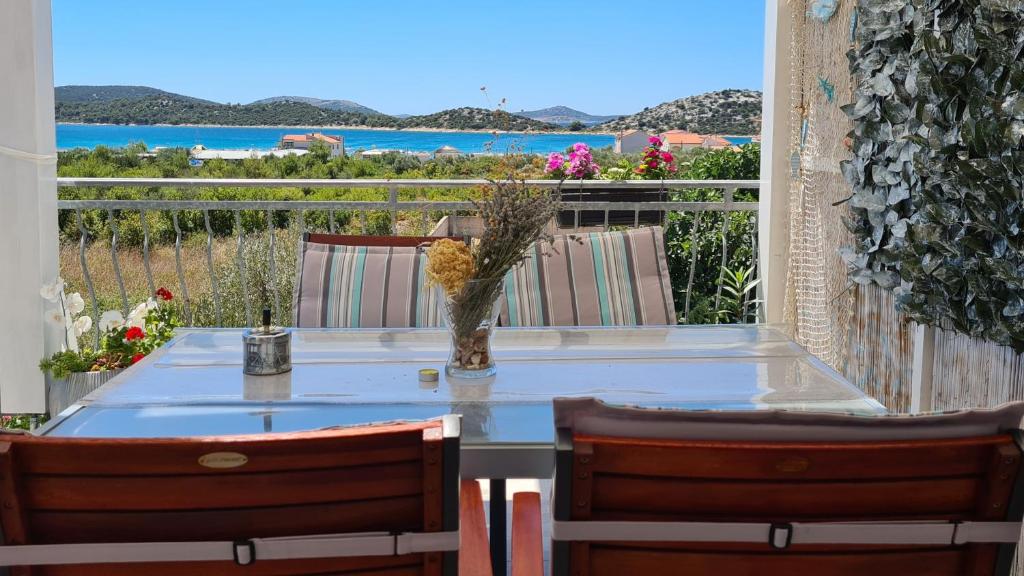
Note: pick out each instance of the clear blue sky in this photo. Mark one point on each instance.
(416, 57)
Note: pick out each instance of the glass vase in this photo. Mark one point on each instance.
(470, 316)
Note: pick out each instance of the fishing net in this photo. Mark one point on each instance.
(818, 304)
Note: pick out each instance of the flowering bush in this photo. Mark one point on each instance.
(123, 342)
(579, 165)
(656, 164)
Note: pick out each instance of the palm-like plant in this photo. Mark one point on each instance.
(739, 302)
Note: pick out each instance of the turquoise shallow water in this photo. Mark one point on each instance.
(92, 135)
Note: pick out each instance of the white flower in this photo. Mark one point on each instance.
(111, 320)
(52, 291)
(57, 317)
(82, 325)
(74, 303)
(137, 317)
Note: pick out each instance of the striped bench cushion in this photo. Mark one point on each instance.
(594, 279)
(362, 287)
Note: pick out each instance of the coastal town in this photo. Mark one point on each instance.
(626, 142)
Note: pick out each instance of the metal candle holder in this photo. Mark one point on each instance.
(266, 350)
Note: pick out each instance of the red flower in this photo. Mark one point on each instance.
(164, 294)
(134, 333)
(138, 357)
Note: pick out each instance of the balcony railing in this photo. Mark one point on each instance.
(587, 205)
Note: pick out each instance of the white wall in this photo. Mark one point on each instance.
(630, 143)
(28, 201)
(773, 209)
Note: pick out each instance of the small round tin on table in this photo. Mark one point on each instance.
(267, 351)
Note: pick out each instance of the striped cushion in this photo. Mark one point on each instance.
(362, 287)
(595, 279)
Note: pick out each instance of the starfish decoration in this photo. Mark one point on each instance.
(828, 88)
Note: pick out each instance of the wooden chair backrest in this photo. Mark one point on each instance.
(375, 478)
(604, 478)
(392, 241)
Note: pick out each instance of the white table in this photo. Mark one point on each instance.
(194, 386)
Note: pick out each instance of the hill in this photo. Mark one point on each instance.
(723, 112)
(110, 93)
(142, 105)
(339, 105)
(473, 119)
(176, 109)
(564, 116)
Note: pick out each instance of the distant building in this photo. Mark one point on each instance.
(631, 141)
(716, 142)
(447, 151)
(303, 141)
(378, 152)
(372, 153)
(202, 153)
(681, 140)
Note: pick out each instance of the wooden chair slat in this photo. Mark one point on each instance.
(786, 499)
(322, 518)
(370, 566)
(527, 542)
(287, 451)
(612, 562)
(473, 532)
(393, 241)
(767, 461)
(198, 492)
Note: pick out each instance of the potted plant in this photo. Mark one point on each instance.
(656, 164)
(77, 370)
(469, 279)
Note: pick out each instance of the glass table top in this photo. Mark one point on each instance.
(195, 385)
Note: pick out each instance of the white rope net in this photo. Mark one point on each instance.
(818, 302)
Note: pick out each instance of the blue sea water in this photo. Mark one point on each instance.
(740, 140)
(92, 135)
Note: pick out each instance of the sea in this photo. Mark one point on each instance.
(246, 138)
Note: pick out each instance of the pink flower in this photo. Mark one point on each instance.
(555, 162)
(655, 141)
(667, 157)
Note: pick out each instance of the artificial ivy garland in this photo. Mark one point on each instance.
(938, 166)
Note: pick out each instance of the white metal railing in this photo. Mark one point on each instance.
(653, 200)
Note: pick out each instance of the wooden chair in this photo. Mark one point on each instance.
(592, 279)
(363, 282)
(380, 499)
(642, 491)
(392, 241)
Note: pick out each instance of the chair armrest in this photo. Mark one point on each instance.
(527, 543)
(474, 547)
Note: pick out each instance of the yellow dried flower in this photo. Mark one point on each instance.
(450, 264)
